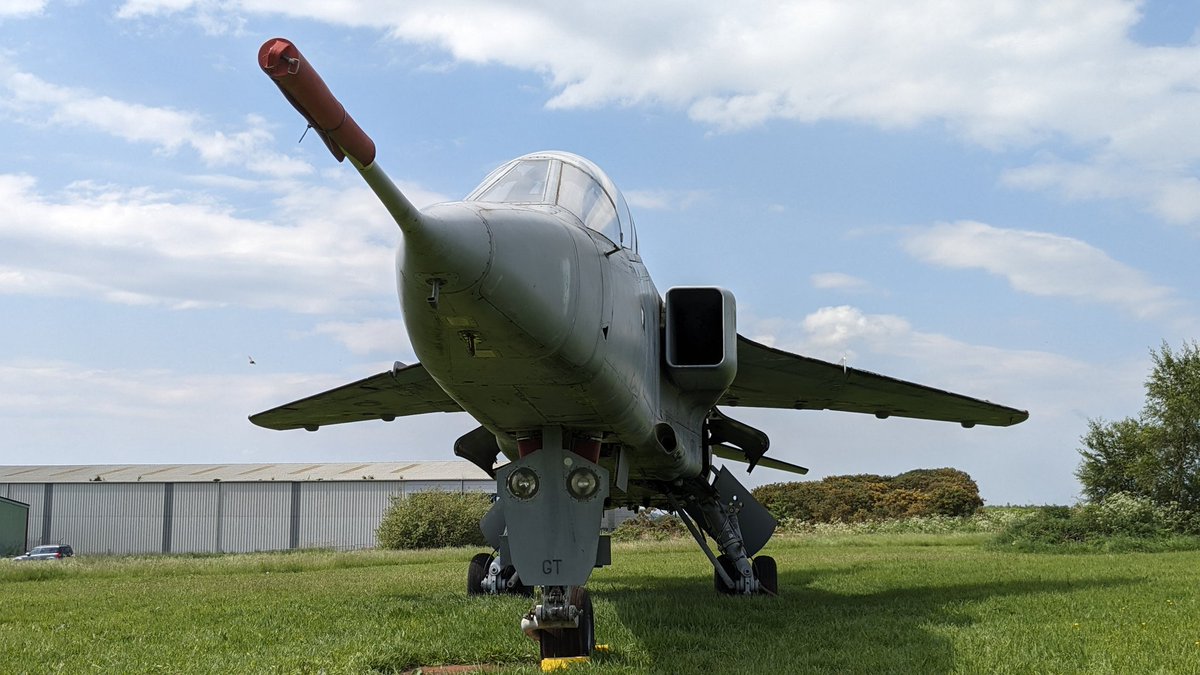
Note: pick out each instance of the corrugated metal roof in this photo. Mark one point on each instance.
(199, 473)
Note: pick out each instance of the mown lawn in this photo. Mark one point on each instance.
(853, 603)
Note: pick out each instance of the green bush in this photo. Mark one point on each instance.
(868, 497)
(433, 520)
(1126, 514)
(986, 520)
(1122, 521)
(644, 525)
(1049, 526)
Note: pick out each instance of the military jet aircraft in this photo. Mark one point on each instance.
(530, 309)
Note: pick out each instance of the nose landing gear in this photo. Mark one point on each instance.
(563, 624)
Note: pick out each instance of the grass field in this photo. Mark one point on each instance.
(849, 603)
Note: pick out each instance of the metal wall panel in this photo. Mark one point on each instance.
(99, 518)
(459, 486)
(194, 517)
(343, 515)
(486, 485)
(109, 517)
(32, 494)
(254, 516)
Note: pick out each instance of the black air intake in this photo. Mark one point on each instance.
(701, 338)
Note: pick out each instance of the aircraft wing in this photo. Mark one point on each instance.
(407, 390)
(772, 378)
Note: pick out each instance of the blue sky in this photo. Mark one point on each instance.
(1003, 202)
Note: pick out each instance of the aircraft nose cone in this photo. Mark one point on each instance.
(452, 249)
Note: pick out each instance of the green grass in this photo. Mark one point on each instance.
(850, 603)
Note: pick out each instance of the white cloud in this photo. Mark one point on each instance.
(1042, 264)
(834, 328)
(31, 388)
(998, 74)
(842, 328)
(21, 8)
(137, 8)
(40, 102)
(664, 200)
(378, 336)
(212, 16)
(1170, 195)
(156, 415)
(1177, 200)
(328, 250)
(1057, 386)
(837, 281)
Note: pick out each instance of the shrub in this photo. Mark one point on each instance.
(985, 521)
(1049, 526)
(867, 497)
(1126, 514)
(433, 520)
(1121, 521)
(647, 525)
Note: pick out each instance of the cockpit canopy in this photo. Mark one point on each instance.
(569, 181)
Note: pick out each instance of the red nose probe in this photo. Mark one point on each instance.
(306, 91)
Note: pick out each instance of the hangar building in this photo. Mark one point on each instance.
(220, 508)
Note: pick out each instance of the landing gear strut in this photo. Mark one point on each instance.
(739, 525)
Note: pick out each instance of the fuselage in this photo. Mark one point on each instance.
(529, 318)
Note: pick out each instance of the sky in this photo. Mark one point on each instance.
(1001, 199)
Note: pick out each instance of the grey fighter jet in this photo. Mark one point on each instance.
(529, 308)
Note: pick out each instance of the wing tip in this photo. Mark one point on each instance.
(1014, 417)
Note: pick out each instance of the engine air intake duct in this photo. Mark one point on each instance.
(701, 337)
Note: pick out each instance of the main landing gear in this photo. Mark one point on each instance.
(763, 570)
(739, 525)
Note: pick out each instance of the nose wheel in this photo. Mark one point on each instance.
(567, 642)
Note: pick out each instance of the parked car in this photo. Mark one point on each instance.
(48, 552)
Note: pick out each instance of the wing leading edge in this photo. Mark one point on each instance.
(772, 378)
(402, 391)
(766, 378)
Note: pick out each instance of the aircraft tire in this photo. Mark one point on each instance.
(767, 574)
(564, 642)
(718, 583)
(477, 571)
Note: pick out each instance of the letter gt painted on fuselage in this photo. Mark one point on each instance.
(529, 308)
